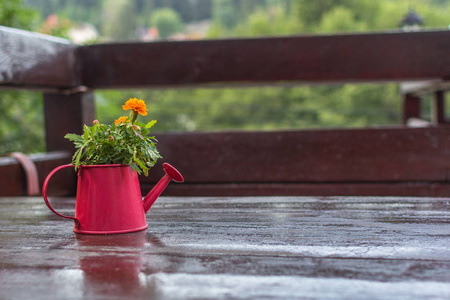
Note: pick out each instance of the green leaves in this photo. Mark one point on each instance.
(87, 132)
(125, 143)
(76, 139)
(150, 124)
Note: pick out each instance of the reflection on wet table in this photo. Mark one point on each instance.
(233, 248)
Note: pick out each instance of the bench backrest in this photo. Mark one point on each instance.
(398, 161)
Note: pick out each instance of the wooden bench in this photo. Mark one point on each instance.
(367, 161)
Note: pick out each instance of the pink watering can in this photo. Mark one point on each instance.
(109, 198)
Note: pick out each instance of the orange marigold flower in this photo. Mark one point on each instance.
(137, 105)
(121, 120)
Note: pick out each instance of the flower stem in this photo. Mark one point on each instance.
(133, 116)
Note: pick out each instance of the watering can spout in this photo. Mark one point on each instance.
(171, 174)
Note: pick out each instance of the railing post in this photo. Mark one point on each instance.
(66, 113)
(438, 106)
(411, 107)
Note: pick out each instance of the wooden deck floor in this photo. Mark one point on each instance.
(233, 248)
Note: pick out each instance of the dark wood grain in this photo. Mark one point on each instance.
(404, 189)
(233, 248)
(382, 161)
(411, 107)
(66, 114)
(345, 155)
(303, 59)
(13, 179)
(438, 108)
(32, 60)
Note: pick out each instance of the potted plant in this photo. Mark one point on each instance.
(107, 160)
(125, 142)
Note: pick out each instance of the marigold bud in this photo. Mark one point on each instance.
(111, 138)
(95, 122)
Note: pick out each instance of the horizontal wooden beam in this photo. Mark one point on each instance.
(423, 88)
(403, 189)
(369, 57)
(13, 182)
(32, 60)
(382, 155)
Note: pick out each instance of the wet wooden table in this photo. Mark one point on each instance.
(233, 248)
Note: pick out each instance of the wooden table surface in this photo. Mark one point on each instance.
(233, 248)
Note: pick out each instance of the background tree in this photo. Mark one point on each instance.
(167, 21)
(21, 112)
(224, 13)
(119, 22)
(13, 13)
(262, 108)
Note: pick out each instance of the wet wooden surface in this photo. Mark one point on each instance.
(233, 248)
(33, 60)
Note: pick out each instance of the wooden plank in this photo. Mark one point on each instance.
(13, 180)
(33, 60)
(438, 108)
(422, 88)
(395, 56)
(66, 114)
(310, 156)
(404, 189)
(247, 248)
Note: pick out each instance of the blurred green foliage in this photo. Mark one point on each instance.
(20, 111)
(119, 23)
(262, 108)
(167, 21)
(258, 108)
(22, 122)
(13, 13)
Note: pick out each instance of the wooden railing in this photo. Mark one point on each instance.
(382, 161)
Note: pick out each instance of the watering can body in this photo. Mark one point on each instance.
(109, 199)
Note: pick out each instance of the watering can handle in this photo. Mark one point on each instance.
(44, 192)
